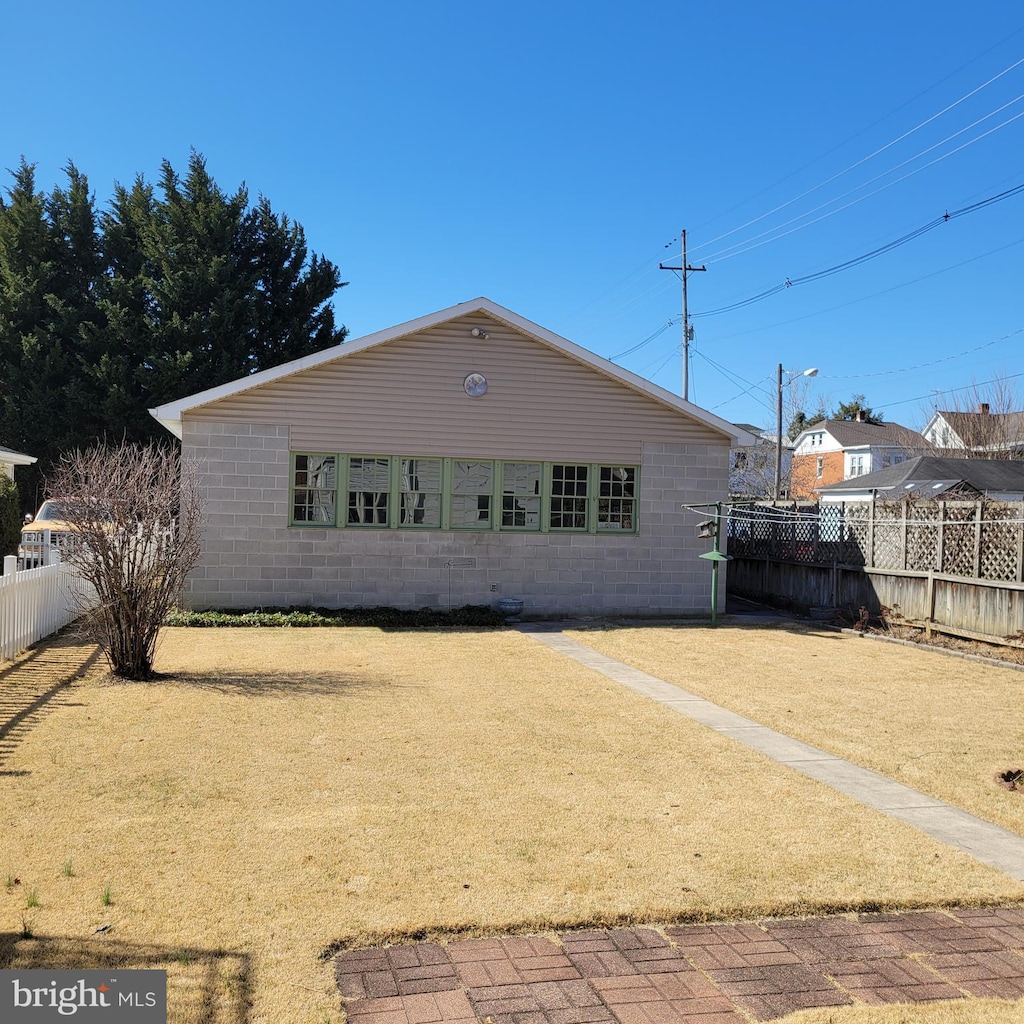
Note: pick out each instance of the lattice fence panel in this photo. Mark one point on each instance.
(737, 529)
(857, 534)
(762, 534)
(805, 537)
(923, 535)
(1000, 534)
(958, 540)
(888, 536)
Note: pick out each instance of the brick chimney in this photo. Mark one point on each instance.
(860, 415)
(983, 408)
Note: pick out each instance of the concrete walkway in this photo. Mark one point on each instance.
(710, 974)
(985, 842)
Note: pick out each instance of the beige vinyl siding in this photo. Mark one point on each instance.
(406, 396)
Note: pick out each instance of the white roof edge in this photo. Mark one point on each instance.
(169, 414)
(13, 458)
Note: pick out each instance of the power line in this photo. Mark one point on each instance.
(865, 257)
(923, 366)
(953, 391)
(872, 295)
(610, 296)
(650, 337)
(865, 159)
(776, 233)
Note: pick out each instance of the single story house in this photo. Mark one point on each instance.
(929, 476)
(830, 451)
(9, 459)
(462, 457)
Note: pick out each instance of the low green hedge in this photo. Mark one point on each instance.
(477, 615)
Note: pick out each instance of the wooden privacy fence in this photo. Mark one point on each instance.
(954, 567)
(37, 602)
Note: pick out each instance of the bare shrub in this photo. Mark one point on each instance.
(135, 514)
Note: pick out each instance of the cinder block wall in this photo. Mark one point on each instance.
(252, 558)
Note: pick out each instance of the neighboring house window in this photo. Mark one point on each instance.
(313, 494)
(856, 465)
(819, 466)
(405, 492)
(898, 457)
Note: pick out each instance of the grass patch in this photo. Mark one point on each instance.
(960, 1011)
(944, 726)
(470, 615)
(277, 793)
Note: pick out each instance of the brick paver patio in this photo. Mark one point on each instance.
(692, 974)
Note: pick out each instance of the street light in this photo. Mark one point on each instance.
(813, 372)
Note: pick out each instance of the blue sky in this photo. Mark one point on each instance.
(546, 155)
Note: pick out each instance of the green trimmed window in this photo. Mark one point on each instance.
(408, 493)
(420, 492)
(472, 495)
(520, 495)
(369, 490)
(569, 504)
(616, 503)
(314, 492)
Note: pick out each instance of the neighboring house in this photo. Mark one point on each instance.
(928, 476)
(9, 459)
(458, 458)
(981, 431)
(752, 466)
(833, 450)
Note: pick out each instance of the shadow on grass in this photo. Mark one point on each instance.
(204, 986)
(32, 686)
(269, 684)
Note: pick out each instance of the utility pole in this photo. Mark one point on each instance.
(687, 329)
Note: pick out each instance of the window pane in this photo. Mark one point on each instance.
(313, 491)
(421, 493)
(568, 497)
(368, 482)
(520, 490)
(616, 505)
(472, 485)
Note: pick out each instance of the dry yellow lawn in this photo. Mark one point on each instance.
(941, 724)
(966, 1011)
(282, 790)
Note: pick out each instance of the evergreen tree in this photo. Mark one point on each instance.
(172, 290)
(856, 409)
(801, 421)
(10, 516)
(49, 265)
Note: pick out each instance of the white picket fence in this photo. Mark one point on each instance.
(37, 602)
